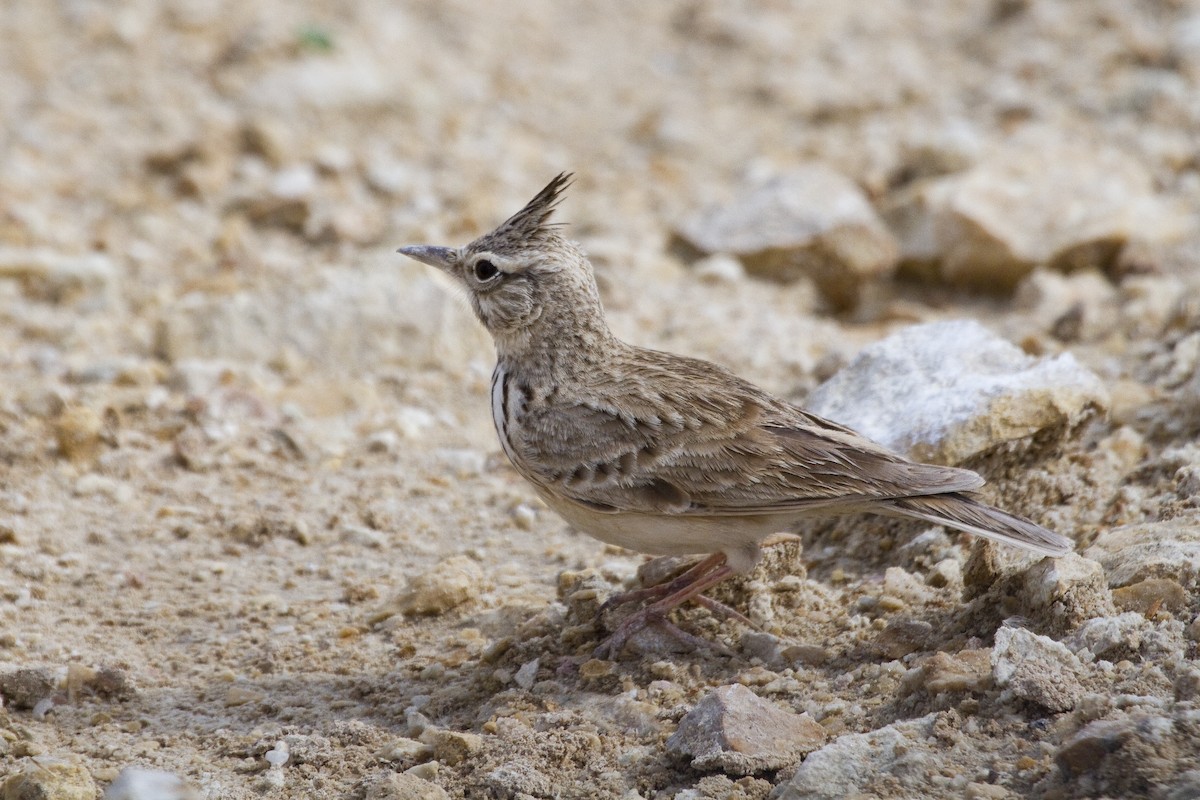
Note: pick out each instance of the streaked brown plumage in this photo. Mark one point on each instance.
(666, 454)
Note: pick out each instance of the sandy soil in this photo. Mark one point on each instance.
(210, 533)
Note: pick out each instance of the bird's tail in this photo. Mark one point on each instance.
(961, 512)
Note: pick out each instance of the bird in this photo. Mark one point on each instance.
(666, 454)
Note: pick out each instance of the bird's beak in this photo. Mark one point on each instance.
(440, 257)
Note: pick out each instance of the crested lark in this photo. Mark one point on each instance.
(665, 454)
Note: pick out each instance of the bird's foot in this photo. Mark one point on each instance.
(610, 649)
(688, 586)
(661, 590)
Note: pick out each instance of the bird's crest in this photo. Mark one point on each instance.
(530, 225)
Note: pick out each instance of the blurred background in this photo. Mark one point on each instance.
(232, 419)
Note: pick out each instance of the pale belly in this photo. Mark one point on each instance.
(665, 534)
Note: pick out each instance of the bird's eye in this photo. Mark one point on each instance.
(485, 270)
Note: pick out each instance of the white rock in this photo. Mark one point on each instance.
(719, 268)
(1042, 198)
(1036, 668)
(734, 730)
(403, 786)
(48, 777)
(390, 176)
(278, 755)
(946, 391)
(809, 221)
(1066, 591)
(527, 674)
(294, 183)
(1168, 549)
(351, 79)
(1098, 637)
(149, 784)
(450, 583)
(845, 767)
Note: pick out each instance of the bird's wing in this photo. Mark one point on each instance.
(702, 441)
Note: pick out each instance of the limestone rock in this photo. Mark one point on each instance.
(1105, 637)
(49, 779)
(149, 784)
(1037, 669)
(903, 636)
(966, 671)
(1042, 198)
(1063, 592)
(811, 221)
(846, 766)
(518, 779)
(352, 80)
(449, 584)
(402, 786)
(1150, 596)
(1092, 744)
(25, 687)
(946, 391)
(735, 731)
(79, 432)
(1168, 550)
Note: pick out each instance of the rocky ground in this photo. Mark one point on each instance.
(257, 538)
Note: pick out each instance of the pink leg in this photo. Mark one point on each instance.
(666, 588)
(657, 611)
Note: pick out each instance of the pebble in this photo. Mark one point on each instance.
(989, 226)
(1036, 669)
(965, 671)
(1151, 595)
(403, 748)
(904, 636)
(134, 783)
(278, 755)
(90, 282)
(1168, 550)
(719, 268)
(447, 585)
(241, 695)
(25, 687)
(342, 81)
(901, 392)
(848, 765)
(526, 675)
(392, 312)
(78, 431)
(49, 779)
(452, 747)
(518, 779)
(946, 573)
(1105, 636)
(901, 584)
(733, 730)
(1097, 740)
(1063, 592)
(403, 786)
(810, 221)
(1071, 307)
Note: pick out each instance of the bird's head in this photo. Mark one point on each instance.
(524, 279)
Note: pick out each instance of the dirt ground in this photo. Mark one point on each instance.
(236, 430)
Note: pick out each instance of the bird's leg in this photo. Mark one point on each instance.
(657, 611)
(666, 587)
